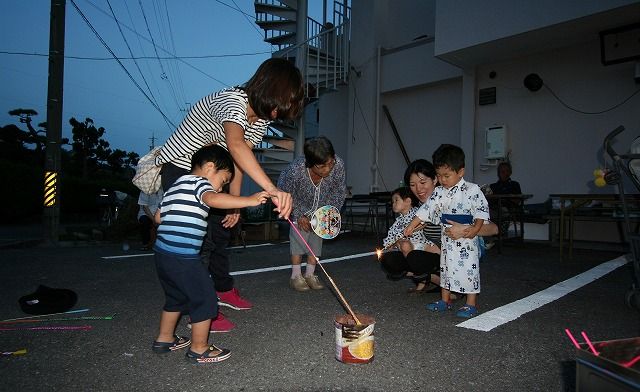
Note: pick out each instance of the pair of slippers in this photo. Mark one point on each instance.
(193, 357)
(426, 288)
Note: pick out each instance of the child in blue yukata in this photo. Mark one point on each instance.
(182, 219)
(459, 201)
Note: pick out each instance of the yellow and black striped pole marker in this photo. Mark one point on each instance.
(50, 188)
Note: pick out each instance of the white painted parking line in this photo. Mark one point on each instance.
(126, 256)
(257, 245)
(504, 314)
(231, 247)
(281, 267)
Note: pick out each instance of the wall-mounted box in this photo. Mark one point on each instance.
(496, 142)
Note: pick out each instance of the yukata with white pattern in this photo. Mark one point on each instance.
(460, 259)
(418, 239)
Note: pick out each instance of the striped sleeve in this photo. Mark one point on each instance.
(204, 124)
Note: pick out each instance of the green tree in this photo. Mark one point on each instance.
(12, 142)
(116, 160)
(87, 166)
(88, 146)
(132, 159)
(37, 137)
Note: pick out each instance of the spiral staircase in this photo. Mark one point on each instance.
(322, 55)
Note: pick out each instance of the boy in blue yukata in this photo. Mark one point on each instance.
(182, 217)
(455, 200)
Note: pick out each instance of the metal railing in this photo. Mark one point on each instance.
(325, 53)
(325, 58)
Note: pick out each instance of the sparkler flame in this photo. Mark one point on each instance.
(379, 253)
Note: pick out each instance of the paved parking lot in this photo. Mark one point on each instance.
(287, 341)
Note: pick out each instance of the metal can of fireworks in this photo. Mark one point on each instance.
(354, 342)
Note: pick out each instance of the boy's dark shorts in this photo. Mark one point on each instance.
(187, 287)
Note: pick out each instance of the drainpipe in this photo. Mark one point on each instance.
(376, 139)
(301, 37)
(324, 12)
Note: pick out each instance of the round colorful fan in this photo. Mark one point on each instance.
(325, 222)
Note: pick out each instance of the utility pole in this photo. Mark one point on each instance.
(54, 122)
(153, 141)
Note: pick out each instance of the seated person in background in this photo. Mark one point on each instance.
(402, 204)
(505, 186)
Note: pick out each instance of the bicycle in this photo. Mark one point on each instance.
(627, 164)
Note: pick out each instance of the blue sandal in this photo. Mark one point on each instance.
(467, 311)
(167, 347)
(439, 306)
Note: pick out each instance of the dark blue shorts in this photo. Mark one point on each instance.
(187, 287)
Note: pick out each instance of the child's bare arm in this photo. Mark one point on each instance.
(156, 216)
(226, 201)
(458, 230)
(474, 229)
(412, 226)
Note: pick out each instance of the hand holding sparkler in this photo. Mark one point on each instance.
(413, 226)
(284, 203)
(402, 237)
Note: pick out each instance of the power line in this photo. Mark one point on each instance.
(163, 75)
(162, 33)
(236, 9)
(131, 52)
(247, 17)
(142, 49)
(173, 47)
(163, 49)
(119, 62)
(139, 57)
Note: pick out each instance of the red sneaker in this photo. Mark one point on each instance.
(221, 324)
(233, 300)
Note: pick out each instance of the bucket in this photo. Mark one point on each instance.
(354, 343)
(616, 368)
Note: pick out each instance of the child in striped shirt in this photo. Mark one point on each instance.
(182, 219)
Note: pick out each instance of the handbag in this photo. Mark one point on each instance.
(147, 177)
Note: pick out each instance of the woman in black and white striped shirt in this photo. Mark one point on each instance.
(237, 119)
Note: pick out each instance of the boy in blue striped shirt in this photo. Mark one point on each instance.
(182, 217)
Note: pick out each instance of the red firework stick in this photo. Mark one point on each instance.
(573, 340)
(593, 349)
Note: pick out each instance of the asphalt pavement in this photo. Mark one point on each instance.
(287, 341)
